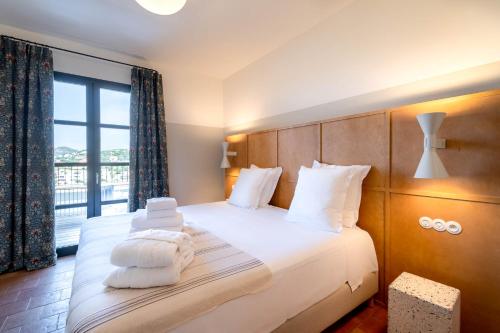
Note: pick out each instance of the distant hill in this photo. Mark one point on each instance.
(70, 155)
(59, 151)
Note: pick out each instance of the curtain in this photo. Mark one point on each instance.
(148, 139)
(27, 237)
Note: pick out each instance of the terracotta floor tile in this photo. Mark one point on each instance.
(10, 285)
(344, 325)
(44, 299)
(63, 276)
(65, 294)
(15, 307)
(55, 308)
(45, 288)
(372, 325)
(48, 324)
(358, 330)
(61, 322)
(9, 297)
(13, 330)
(364, 319)
(22, 318)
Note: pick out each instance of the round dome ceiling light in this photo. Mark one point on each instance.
(162, 7)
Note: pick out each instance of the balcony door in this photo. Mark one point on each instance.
(91, 150)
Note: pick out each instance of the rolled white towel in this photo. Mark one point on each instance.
(161, 203)
(161, 213)
(152, 248)
(141, 221)
(135, 277)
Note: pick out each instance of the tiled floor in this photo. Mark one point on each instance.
(38, 302)
(366, 318)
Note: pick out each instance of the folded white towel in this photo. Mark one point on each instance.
(178, 228)
(135, 277)
(141, 221)
(152, 248)
(161, 203)
(161, 213)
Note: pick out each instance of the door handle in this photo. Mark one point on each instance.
(97, 178)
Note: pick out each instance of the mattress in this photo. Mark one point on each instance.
(307, 265)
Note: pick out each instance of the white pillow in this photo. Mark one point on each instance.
(319, 198)
(350, 214)
(248, 188)
(272, 179)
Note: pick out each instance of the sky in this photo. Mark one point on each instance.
(70, 104)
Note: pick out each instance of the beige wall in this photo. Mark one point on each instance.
(369, 46)
(192, 98)
(193, 107)
(193, 163)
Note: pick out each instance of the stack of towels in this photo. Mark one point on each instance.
(160, 213)
(150, 258)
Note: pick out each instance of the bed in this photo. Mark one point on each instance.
(317, 276)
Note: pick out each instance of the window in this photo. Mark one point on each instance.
(91, 149)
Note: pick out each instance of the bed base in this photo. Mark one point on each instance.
(327, 311)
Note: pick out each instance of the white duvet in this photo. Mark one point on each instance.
(307, 265)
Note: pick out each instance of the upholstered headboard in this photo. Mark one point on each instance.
(391, 141)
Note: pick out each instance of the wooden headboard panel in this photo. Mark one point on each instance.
(391, 141)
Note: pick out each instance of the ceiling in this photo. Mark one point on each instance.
(211, 37)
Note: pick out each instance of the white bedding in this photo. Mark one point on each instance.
(307, 265)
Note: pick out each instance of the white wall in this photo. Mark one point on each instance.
(80, 65)
(369, 46)
(191, 100)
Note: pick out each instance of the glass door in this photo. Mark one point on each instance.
(71, 159)
(114, 132)
(91, 150)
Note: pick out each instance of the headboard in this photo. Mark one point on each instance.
(391, 141)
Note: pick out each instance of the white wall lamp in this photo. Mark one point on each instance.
(430, 165)
(225, 162)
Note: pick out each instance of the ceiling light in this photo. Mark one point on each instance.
(162, 7)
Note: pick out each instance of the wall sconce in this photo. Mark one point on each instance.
(225, 162)
(430, 165)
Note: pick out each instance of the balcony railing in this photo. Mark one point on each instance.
(71, 196)
(71, 184)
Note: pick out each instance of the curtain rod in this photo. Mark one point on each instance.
(76, 52)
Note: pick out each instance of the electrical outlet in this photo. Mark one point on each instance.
(440, 225)
(425, 222)
(453, 227)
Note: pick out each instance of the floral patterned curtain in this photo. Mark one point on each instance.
(148, 139)
(27, 237)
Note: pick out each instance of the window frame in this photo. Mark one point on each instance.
(93, 127)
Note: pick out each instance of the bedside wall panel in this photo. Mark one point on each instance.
(392, 142)
(469, 261)
(358, 140)
(263, 149)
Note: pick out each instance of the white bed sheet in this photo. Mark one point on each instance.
(307, 265)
